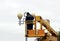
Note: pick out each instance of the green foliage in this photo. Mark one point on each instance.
(59, 36)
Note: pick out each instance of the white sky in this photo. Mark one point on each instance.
(9, 28)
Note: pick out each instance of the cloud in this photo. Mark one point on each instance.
(7, 36)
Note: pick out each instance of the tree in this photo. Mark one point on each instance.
(59, 36)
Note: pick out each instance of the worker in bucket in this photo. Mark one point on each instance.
(29, 19)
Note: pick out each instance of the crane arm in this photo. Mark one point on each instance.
(46, 25)
(49, 28)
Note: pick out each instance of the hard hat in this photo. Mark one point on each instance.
(33, 14)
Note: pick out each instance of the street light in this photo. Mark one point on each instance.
(20, 17)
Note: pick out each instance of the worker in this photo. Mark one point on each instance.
(29, 18)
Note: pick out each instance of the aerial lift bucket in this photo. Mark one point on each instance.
(32, 33)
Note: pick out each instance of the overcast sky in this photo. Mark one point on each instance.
(9, 28)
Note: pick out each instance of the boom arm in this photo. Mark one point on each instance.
(47, 26)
